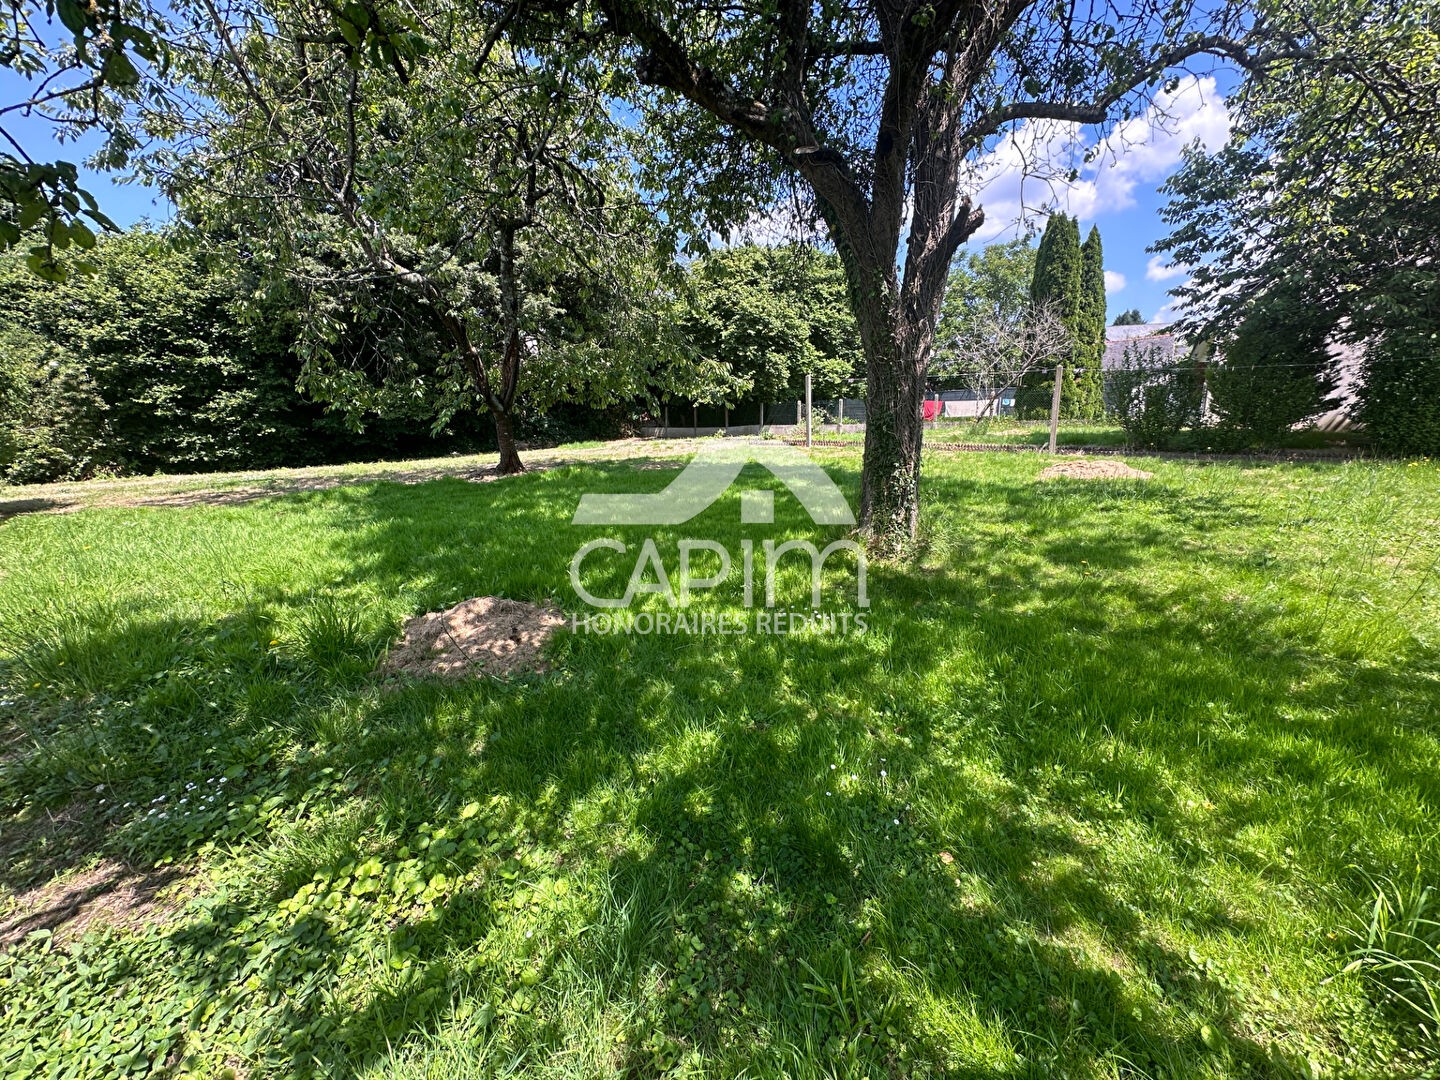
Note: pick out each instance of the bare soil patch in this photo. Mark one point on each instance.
(1094, 470)
(486, 635)
(109, 894)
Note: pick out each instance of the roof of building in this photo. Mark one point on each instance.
(1125, 333)
(1148, 341)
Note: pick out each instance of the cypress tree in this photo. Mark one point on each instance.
(1056, 282)
(1090, 346)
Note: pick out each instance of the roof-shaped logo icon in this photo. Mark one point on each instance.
(709, 475)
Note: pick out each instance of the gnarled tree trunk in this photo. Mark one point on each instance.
(897, 321)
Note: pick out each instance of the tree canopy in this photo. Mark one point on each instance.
(986, 288)
(374, 154)
(772, 316)
(81, 63)
(874, 110)
(1331, 178)
(144, 364)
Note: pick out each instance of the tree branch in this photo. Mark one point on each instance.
(1098, 110)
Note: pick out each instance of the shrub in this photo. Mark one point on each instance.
(155, 363)
(1401, 393)
(1154, 398)
(1275, 371)
(52, 418)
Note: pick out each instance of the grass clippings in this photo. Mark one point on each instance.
(107, 894)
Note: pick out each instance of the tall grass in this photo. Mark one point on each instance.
(1397, 949)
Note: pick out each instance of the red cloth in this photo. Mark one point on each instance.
(932, 409)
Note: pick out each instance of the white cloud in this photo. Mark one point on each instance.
(1114, 281)
(1146, 149)
(1158, 270)
(1030, 169)
(1168, 314)
(1174, 309)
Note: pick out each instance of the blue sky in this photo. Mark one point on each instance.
(1022, 177)
(126, 204)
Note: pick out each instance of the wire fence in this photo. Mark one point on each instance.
(1109, 396)
(785, 417)
(945, 399)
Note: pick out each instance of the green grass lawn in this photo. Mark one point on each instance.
(1005, 431)
(1105, 790)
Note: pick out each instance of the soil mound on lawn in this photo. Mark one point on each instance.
(486, 635)
(1094, 470)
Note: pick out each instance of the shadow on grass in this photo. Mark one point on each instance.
(978, 838)
(15, 507)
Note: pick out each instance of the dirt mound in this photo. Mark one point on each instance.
(486, 635)
(1094, 470)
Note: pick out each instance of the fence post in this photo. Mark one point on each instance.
(727, 418)
(762, 418)
(667, 420)
(1055, 405)
(840, 418)
(808, 434)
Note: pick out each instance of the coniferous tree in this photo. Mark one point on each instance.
(1090, 345)
(1132, 317)
(1056, 283)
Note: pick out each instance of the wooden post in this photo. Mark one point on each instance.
(694, 421)
(667, 420)
(809, 437)
(1055, 405)
(727, 417)
(840, 418)
(762, 418)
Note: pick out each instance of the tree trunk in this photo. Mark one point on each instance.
(897, 322)
(510, 462)
(895, 388)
